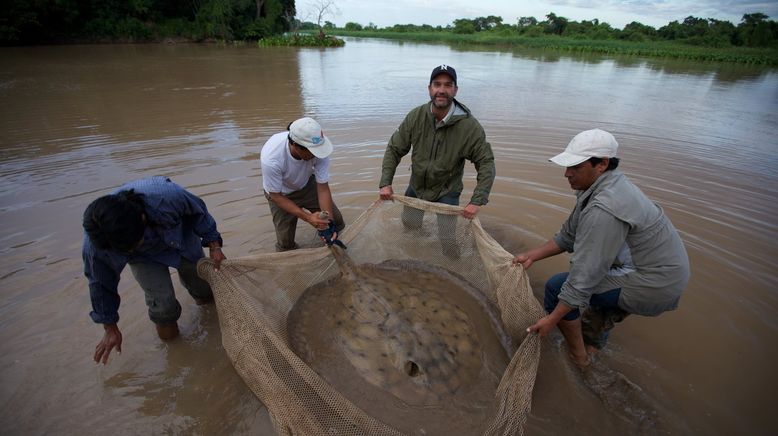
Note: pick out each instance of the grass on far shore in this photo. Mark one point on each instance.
(302, 40)
(746, 55)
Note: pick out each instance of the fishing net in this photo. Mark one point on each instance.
(255, 295)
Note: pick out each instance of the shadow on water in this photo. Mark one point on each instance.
(625, 399)
(721, 72)
(170, 396)
(622, 397)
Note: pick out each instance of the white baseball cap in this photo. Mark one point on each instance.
(585, 145)
(308, 133)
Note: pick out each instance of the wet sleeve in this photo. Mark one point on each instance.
(599, 239)
(398, 146)
(103, 276)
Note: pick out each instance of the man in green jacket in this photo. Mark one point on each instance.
(441, 135)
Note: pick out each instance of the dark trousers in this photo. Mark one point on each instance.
(154, 279)
(598, 320)
(286, 223)
(447, 224)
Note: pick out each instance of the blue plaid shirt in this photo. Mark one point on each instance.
(179, 225)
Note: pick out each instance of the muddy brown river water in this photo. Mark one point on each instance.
(77, 121)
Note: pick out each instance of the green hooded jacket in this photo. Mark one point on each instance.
(438, 154)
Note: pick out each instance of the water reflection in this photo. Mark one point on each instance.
(137, 93)
(728, 72)
(168, 388)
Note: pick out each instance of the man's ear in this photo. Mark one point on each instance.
(604, 164)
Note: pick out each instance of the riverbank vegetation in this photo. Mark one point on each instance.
(754, 40)
(24, 22)
(301, 40)
(320, 9)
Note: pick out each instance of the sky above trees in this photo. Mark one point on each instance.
(617, 13)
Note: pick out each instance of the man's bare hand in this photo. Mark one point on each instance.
(386, 193)
(112, 339)
(471, 210)
(316, 221)
(523, 259)
(217, 256)
(543, 326)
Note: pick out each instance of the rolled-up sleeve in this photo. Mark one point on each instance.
(103, 275)
(598, 240)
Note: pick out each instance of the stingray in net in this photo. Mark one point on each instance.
(397, 327)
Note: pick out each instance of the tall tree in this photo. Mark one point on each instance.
(322, 9)
(527, 22)
(755, 31)
(555, 24)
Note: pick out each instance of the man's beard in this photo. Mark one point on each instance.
(449, 101)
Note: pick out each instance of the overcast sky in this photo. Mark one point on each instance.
(656, 13)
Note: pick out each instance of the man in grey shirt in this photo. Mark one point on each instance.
(627, 258)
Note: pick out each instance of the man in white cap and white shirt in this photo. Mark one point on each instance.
(295, 177)
(627, 258)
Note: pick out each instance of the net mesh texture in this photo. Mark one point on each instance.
(255, 295)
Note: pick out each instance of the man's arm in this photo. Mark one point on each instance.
(203, 223)
(483, 160)
(548, 322)
(599, 237)
(326, 203)
(325, 198)
(399, 145)
(193, 208)
(527, 258)
(103, 278)
(103, 275)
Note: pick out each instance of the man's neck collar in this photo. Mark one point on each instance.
(446, 115)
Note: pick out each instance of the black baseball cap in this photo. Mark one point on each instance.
(444, 69)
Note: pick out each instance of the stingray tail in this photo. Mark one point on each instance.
(344, 261)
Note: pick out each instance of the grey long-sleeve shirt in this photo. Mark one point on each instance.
(620, 239)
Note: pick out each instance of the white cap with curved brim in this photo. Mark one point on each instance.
(585, 145)
(308, 133)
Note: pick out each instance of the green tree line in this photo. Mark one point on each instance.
(754, 30)
(65, 21)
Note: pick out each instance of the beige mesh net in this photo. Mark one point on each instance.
(255, 295)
